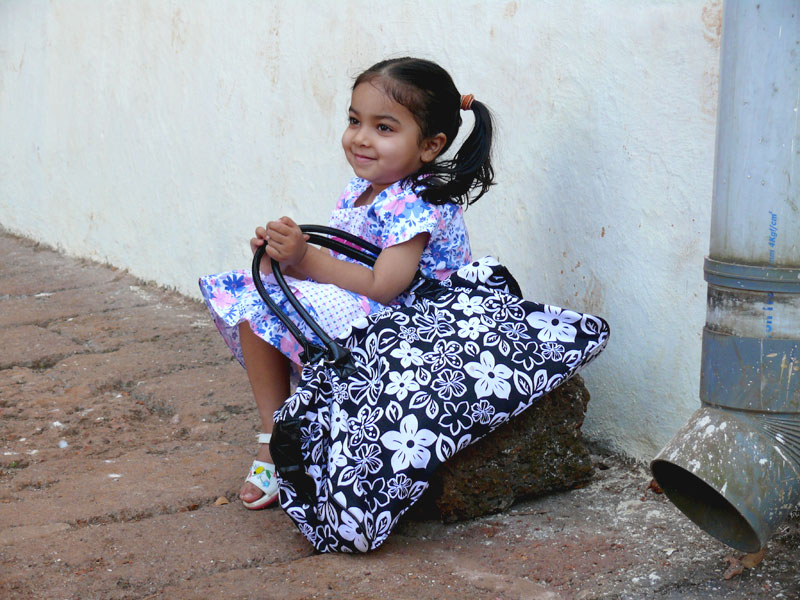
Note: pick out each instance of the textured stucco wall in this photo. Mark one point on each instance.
(155, 135)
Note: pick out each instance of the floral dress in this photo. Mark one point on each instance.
(395, 216)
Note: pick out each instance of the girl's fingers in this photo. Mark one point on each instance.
(284, 225)
(276, 228)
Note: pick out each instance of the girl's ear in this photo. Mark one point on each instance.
(432, 146)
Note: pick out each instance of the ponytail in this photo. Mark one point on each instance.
(428, 91)
(470, 170)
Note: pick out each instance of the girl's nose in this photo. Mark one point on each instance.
(360, 138)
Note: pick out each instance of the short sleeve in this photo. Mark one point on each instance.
(405, 215)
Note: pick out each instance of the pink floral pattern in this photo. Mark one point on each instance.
(395, 216)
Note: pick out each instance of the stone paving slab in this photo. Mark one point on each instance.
(137, 361)
(138, 484)
(54, 277)
(115, 447)
(399, 570)
(105, 332)
(136, 558)
(19, 256)
(30, 345)
(45, 306)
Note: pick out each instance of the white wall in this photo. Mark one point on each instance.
(155, 135)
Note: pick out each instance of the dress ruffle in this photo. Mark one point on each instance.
(233, 298)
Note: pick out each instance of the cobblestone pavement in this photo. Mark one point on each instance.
(125, 426)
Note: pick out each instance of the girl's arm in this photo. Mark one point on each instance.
(393, 271)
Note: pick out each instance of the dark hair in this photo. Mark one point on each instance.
(428, 92)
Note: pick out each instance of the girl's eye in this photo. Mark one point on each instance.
(384, 128)
(352, 120)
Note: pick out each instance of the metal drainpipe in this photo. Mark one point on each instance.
(734, 468)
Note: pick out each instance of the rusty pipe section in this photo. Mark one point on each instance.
(734, 468)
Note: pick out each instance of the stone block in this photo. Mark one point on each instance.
(536, 452)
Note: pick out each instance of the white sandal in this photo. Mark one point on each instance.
(262, 475)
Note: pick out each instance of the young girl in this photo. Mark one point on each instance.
(404, 113)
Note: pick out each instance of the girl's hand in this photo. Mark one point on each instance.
(255, 243)
(287, 244)
(261, 237)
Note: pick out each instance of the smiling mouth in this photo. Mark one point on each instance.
(362, 159)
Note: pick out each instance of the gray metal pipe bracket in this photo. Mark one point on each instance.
(779, 280)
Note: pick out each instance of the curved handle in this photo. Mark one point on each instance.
(334, 353)
(332, 232)
(310, 351)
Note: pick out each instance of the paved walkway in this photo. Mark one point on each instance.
(125, 427)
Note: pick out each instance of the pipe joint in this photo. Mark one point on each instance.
(752, 277)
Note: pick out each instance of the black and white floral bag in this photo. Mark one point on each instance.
(381, 407)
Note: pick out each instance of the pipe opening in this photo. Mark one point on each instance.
(706, 507)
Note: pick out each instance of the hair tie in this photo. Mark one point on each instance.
(466, 102)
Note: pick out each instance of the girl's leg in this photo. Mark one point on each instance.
(268, 372)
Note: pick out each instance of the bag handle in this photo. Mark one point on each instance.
(326, 237)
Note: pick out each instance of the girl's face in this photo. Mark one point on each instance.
(383, 142)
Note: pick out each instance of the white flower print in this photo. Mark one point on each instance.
(310, 433)
(444, 353)
(384, 522)
(336, 457)
(482, 412)
(315, 472)
(449, 383)
(339, 391)
(400, 486)
(409, 444)
(366, 459)
(492, 378)
(363, 426)
(514, 331)
(505, 306)
(383, 313)
(527, 354)
(552, 351)
(455, 417)
(367, 349)
(351, 529)
(375, 493)
(401, 384)
(423, 400)
(326, 535)
(471, 329)
(554, 324)
(338, 420)
(409, 334)
(469, 305)
(400, 318)
(479, 270)
(437, 324)
(408, 355)
(369, 386)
